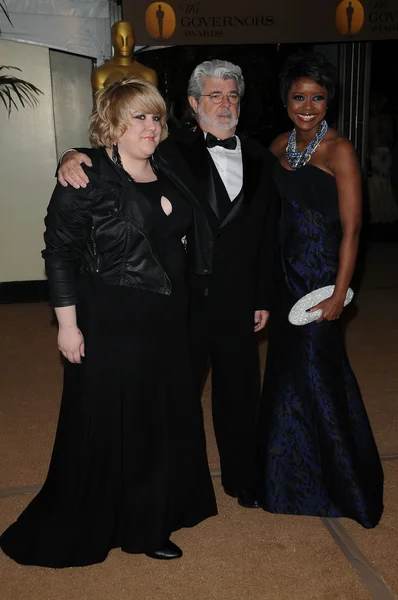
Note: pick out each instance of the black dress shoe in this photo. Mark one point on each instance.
(167, 552)
(245, 498)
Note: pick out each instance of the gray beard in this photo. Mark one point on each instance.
(215, 121)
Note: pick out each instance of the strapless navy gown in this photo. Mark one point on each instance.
(317, 454)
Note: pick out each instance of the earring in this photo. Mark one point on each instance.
(153, 164)
(116, 156)
(115, 153)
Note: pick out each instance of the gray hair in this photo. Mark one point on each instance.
(215, 68)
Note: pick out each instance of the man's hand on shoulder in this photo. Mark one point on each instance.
(70, 170)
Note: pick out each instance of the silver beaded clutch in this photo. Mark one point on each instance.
(299, 315)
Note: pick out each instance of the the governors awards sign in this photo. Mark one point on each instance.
(260, 21)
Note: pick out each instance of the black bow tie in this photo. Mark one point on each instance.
(229, 143)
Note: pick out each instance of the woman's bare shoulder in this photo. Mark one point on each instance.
(340, 151)
(278, 145)
(337, 140)
(337, 144)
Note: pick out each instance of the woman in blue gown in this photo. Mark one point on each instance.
(317, 454)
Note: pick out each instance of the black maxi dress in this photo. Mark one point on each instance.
(317, 453)
(129, 463)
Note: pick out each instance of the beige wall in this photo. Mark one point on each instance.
(30, 142)
(72, 99)
(27, 166)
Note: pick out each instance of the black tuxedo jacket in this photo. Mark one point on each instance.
(239, 249)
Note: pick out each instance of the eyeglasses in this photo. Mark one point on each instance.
(218, 97)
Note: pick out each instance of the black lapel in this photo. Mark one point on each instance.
(197, 157)
(251, 177)
(236, 208)
(251, 172)
(168, 158)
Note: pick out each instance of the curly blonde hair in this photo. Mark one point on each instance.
(114, 105)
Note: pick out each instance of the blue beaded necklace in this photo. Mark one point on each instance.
(296, 159)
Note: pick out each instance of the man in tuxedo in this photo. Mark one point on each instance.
(230, 178)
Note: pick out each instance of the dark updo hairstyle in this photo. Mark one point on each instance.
(308, 65)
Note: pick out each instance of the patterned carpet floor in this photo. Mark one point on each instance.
(240, 554)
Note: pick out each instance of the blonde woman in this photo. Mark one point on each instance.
(129, 463)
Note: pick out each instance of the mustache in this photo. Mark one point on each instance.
(224, 112)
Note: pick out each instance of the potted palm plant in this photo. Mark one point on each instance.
(15, 91)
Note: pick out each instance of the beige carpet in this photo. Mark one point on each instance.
(241, 554)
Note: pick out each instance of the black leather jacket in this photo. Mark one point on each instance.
(106, 229)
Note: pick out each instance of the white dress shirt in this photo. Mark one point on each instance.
(229, 166)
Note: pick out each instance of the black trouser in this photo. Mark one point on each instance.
(233, 353)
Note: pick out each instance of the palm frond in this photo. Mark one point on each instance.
(13, 90)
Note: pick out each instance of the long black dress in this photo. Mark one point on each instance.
(129, 463)
(316, 449)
